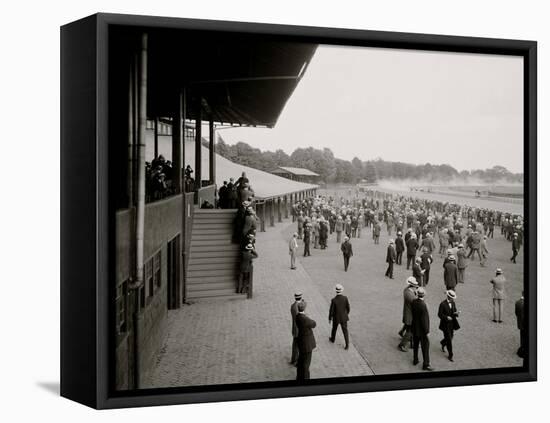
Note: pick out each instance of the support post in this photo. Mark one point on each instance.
(140, 206)
(198, 145)
(271, 213)
(176, 145)
(262, 222)
(286, 207)
(156, 137)
(130, 171)
(182, 287)
(279, 212)
(212, 152)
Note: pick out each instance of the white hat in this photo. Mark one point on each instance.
(411, 280)
(249, 247)
(451, 294)
(339, 288)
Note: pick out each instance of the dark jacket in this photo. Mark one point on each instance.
(420, 318)
(444, 312)
(391, 255)
(306, 339)
(412, 246)
(347, 249)
(409, 295)
(450, 275)
(246, 260)
(399, 244)
(417, 272)
(427, 260)
(339, 309)
(519, 314)
(294, 313)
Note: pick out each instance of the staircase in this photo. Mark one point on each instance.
(214, 260)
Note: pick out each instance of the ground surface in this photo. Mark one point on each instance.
(236, 341)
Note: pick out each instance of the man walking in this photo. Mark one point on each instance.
(306, 341)
(298, 298)
(412, 246)
(461, 263)
(515, 247)
(339, 314)
(307, 239)
(399, 247)
(418, 273)
(390, 259)
(426, 260)
(347, 251)
(292, 248)
(409, 295)
(448, 322)
(421, 329)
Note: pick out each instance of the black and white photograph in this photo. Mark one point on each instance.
(290, 211)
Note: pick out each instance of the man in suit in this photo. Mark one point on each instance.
(417, 271)
(391, 256)
(421, 329)
(338, 314)
(448, 322)
(347, 251)
(450, 273)
(306, 341)
(426, 261)
(521, 326)
(499, 295)
(298, 298)
(399, 247)
(461, 263)
(412, 246)
(409, 295)
(292, 249)
(307, 239)
(515, 247)
(245, 275)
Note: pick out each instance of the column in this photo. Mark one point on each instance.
(271, 212)
(156, 138)
(198, 145)
(212, 152)
(279, 212)
(176, 144)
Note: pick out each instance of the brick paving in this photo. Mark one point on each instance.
(238, 341)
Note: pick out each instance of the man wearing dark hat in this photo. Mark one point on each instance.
(421, 329)
(338, 314)
(409, 295)
(298, 298)
(391, 255)
(347, 251)
(307, 238)
(412, 246)
(448, 322)
(450, 273)
(306, 341)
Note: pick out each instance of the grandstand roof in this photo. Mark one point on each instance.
(264, 184)
(299, 171)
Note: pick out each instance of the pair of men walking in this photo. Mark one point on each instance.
(303, 339)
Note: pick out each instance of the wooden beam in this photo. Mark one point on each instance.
(156, 138)
(176, 145)
(212, 152)
(198, 146)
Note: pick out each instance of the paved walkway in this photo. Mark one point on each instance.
(238, 341)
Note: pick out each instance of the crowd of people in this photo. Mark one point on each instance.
(159, 179)
(463, 235)
(232, 194)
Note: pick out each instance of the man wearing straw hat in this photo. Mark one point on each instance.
(298, 298)
(450, 273)
(339, 314)
(498, 283)
(292, 248)
(448, 322)
(409, 295)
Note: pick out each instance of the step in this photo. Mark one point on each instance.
(197, 267)
(211, 217)
(211, 286)
(212, 225)
(198, 273)
(229, 292)
(199, 280)
(213, 256)
(202, 242)
(218, 212)
(220, 233)
(199, 296)
(197, 260)
(216, 248)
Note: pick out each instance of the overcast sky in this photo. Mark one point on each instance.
(403, 105)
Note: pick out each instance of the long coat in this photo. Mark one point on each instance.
(420, 318)
(461, 261)
(498, 287)
(246, 260)
(450, 275)
(412, 246)
(347, 249)
(399, 244)
(339, 309)
(409, 295)
(391, 255)
(306, 339)
(294, 313)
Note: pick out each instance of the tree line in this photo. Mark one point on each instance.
(335, 170)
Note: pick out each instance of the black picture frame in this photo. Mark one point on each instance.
(87, 228)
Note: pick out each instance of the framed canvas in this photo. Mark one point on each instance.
(259, 211)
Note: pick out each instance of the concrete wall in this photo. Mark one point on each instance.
(163, 221)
